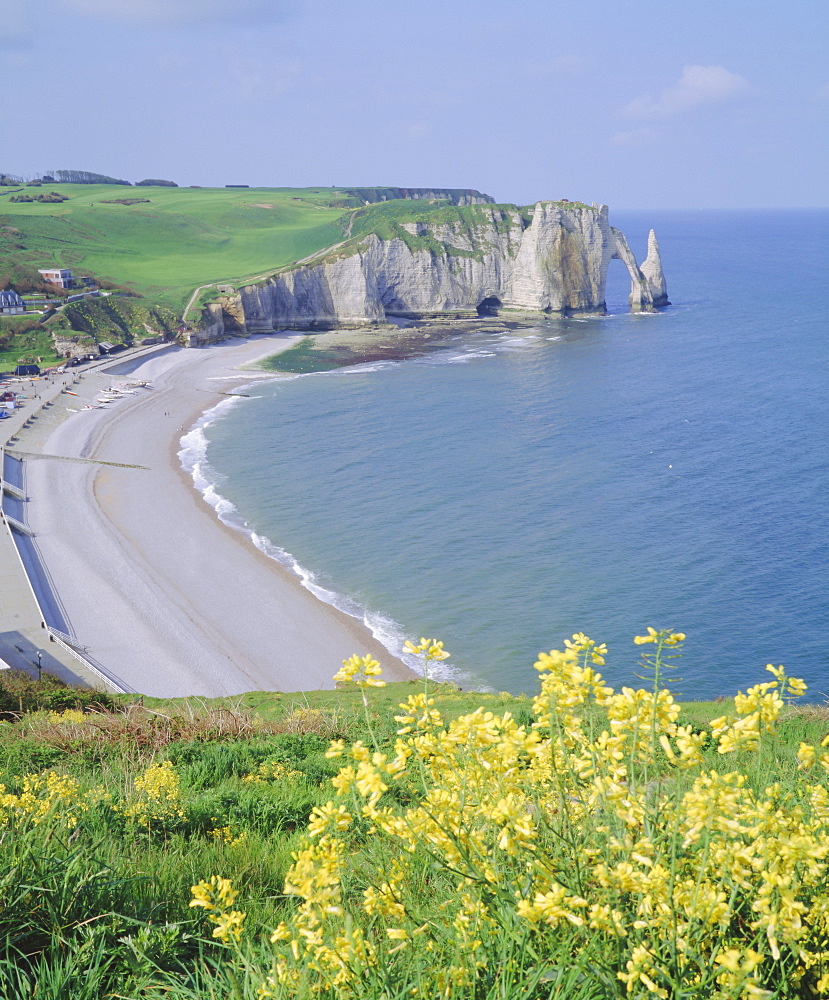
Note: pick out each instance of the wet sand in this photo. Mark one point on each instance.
(167, 598)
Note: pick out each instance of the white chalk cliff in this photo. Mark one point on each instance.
(551, 258)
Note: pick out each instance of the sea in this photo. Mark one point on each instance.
(501, 488)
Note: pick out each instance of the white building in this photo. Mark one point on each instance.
(59, 276)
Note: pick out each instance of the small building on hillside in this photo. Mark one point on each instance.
(60, 276)
(11, 304)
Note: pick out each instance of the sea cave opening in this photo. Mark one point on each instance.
(489, 306)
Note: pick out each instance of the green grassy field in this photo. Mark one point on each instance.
(177, 240)
(474, 847)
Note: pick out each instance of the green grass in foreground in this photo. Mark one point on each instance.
(465, 860)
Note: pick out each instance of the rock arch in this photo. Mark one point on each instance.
(647, 283)
(641, 299)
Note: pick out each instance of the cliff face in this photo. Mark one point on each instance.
(552, 258)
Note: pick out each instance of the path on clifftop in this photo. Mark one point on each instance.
(267, 274)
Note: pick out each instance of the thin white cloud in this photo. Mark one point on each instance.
(153, 12)
(568, 65)
(635, 137)
(417, 130)
(699, 86)
(13, 58)
(14, 26)
(258, 80)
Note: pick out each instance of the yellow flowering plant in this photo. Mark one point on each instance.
(42, 797)
(68, 717)
(156, 800)
(593, 852)
(216, 897)
(364, 671)
(272, 770)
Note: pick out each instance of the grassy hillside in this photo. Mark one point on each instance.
(176, 240)
(414, 841)
(24, 337)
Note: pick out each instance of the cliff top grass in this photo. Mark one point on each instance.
(323, 712)
(389, 220)
(177, 240)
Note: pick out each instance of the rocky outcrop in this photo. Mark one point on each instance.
(211, 329)
(69, 345)
(655, 277)
(548, 259)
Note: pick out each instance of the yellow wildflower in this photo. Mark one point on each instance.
(383, 901)
(667, 638)
(226, 835)
(430, 649)
(229, 925)
(157, 796)
(44, 796)
(68, 716)
(364, 671)
(580, 643)
(650, 637)
(328, 817)
(273, 770)
(216, 894)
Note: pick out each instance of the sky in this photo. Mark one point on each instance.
(632, 103)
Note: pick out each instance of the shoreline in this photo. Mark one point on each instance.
(167, 596)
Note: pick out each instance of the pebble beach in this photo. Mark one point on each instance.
(168, 599)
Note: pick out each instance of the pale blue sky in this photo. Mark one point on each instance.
(710, 103)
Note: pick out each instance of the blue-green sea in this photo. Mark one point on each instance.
(508, 487)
